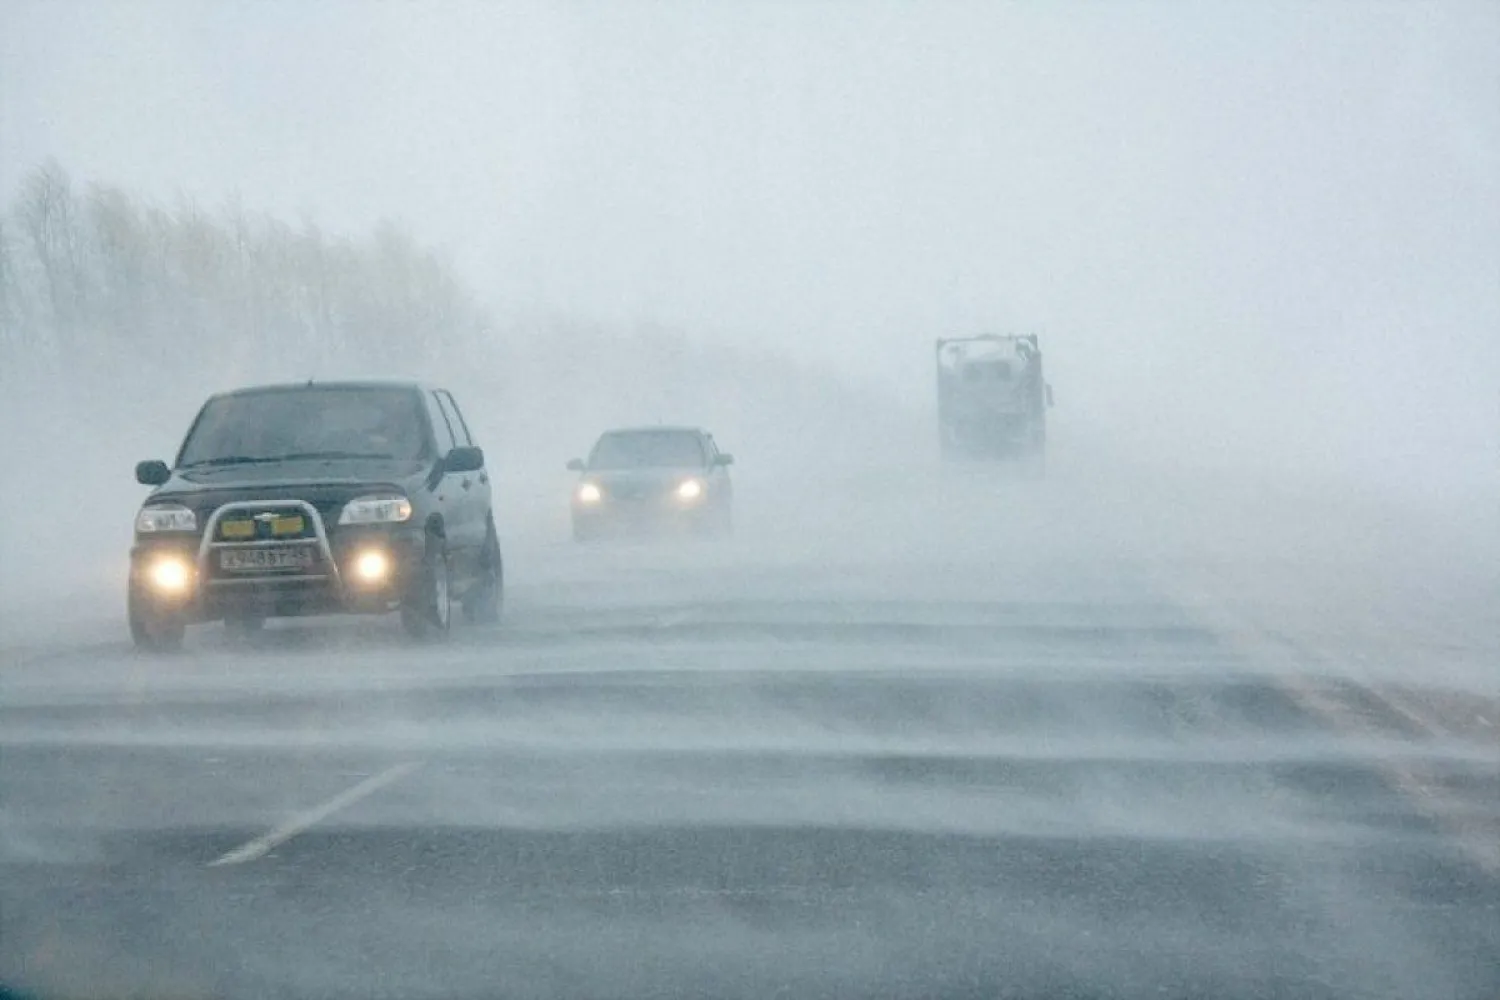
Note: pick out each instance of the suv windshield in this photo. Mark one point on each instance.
(323, 422)
(647, 449)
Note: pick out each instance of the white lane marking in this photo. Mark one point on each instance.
(262, 845)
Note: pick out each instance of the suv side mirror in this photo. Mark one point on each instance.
(575, 465)
(723, 459)
(464, 458)
(152, 473)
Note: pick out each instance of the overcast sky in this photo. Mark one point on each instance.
(1214, 203)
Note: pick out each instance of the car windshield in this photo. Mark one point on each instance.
(306, 423)
(647, 450)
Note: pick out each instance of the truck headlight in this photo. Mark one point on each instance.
(380, 508)
(690, 490)
(590, 493)
(165, 517)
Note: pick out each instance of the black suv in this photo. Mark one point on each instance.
(316, 498)
(653, 479)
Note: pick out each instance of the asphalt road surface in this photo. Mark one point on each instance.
(999, 740)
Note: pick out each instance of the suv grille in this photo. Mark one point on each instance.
(270, 524)
(270, 539)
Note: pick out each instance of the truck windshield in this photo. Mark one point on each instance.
(323, 422)
(646, 450)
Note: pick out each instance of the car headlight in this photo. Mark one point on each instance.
(383, 508)
(590, 493)
(165, 517)
(690, 489)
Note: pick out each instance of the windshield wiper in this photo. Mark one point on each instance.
(296, 456)
(308, 455)
(229, 460)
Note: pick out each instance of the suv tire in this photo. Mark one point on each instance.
(482, 604)
(427, 609)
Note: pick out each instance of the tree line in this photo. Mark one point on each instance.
(92, 277)
(101, 291)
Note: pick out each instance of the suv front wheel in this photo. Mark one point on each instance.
(482, 602)
(427, 609)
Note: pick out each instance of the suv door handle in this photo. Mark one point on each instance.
(467, 484)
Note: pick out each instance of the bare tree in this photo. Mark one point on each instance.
(46, 213)
(119, 251)
(117, 279)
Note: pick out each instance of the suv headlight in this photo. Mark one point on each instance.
(165, 517)
(383, 508)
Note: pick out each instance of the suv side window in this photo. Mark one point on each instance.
(441, 428)
(455, 418)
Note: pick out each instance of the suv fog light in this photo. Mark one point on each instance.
(170, 575)
(372, 566)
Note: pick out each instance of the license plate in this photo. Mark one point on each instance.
(255, 560)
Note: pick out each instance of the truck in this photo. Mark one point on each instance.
(992, 398)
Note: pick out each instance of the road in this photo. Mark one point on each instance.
(940, 747)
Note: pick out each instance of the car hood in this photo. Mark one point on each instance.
(642, 477)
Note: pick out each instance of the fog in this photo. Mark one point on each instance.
(1260, 241)
(1216, 696)
(1258, 236)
